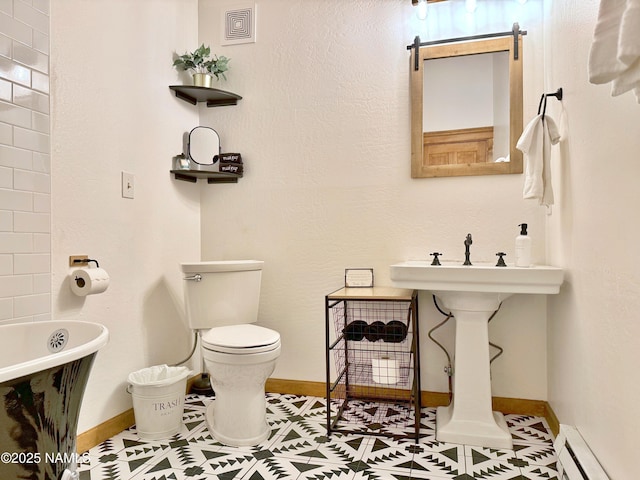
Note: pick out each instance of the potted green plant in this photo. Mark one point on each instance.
(202, 66)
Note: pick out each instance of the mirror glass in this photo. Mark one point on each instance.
(203, 145)
(456, 101)
(467, 109)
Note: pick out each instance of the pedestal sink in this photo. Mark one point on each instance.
(472, 294)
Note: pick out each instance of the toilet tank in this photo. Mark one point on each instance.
(228, 292)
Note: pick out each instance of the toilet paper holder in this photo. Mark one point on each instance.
(76, 259)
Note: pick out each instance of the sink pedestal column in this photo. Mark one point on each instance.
(469, 418)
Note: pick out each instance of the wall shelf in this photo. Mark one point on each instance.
(212, 96)
(212, 177)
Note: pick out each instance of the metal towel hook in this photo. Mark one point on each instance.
(543, 100)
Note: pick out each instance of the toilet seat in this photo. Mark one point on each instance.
(245, 339)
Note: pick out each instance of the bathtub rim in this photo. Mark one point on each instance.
(39, 364)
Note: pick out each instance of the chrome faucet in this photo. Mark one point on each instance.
(467, 254)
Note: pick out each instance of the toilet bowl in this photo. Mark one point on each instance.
(222, 304)
(239, 359)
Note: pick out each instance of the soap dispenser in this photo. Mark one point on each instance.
(523, 247)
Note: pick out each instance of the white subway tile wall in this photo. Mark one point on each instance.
(25, 165)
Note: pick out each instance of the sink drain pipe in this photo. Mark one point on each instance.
(447, 369)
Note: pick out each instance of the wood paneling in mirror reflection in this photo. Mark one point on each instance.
(457, 147)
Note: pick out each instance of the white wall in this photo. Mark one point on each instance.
(112, 111)
(324, 129)
(593, 232)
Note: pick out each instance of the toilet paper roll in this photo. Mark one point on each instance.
(385, 370)
(88, 281)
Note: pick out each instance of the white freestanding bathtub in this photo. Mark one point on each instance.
(44, 367)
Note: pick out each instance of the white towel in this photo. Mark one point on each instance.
(629, 49)
(535, 143)
(629, 39)
(627, 80)
(615, 52)
(604, 65)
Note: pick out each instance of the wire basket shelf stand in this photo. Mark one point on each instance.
(372, 362)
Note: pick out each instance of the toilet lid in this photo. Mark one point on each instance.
(239, 339)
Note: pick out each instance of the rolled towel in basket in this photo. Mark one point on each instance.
(394, 332)
(355, 330)
(374, 332)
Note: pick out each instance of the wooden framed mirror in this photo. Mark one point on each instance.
(466, 108)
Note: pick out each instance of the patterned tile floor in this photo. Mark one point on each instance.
(299, 449)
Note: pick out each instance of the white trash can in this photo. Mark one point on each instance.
(158, 400)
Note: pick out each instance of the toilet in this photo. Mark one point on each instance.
(222, 299)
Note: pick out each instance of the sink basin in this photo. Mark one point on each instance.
(455, 277)
(472, 293)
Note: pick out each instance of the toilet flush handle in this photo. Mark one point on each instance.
(197, 277)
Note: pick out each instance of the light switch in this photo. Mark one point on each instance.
(128, 184)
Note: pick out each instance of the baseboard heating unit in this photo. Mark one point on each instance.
(575, 459)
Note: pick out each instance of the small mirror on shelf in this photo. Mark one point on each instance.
(203, 145)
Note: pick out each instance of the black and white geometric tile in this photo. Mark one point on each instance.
(299, 449)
